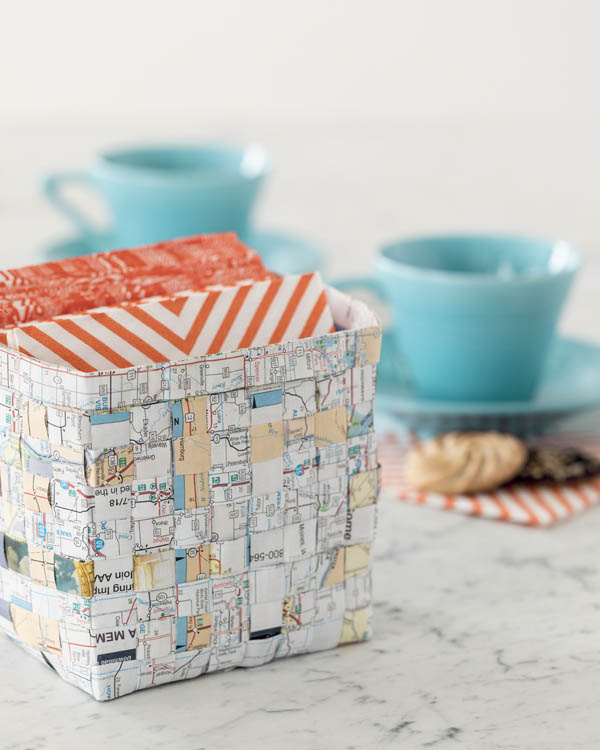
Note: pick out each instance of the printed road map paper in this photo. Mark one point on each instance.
(163, 521)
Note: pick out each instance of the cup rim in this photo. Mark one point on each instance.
(259, 163)
(571, 264)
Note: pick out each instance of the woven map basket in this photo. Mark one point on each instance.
(165, 521)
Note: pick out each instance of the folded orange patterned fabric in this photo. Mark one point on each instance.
(76, 284)
(230, 302)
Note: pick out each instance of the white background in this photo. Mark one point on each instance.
(384, 118)
(310, 61)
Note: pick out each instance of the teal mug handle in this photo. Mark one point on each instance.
(52, 187)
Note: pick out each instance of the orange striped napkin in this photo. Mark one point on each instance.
(530, 504)
(188, 324)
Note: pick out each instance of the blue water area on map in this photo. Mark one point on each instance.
(267, 398)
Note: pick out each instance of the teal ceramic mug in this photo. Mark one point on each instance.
(156, 193)
(474, 315)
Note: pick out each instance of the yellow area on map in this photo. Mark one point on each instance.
(356, 626)
(85, 577)
(298, 428)
(67, 453)
(50, 634)
(194, 416)
(41, 565)
(357, 560)
(331, 426)
(35, 420)
(37, 631)
(215, 563)
(192, 454)
(27, 625)
(36, 493)
(363, 489)
(368, 346)
(197, 563)
(336, 572)
(196, 490)
(198, 632)
(10, 451)
(266, 441)
(113, 467)
(153, 571)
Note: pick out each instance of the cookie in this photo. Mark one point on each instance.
(465, 462)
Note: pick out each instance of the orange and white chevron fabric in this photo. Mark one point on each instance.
(529, 504)
(168, 329)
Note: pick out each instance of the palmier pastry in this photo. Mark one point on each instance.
(465, 462)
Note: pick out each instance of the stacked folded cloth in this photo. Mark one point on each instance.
(188, 468)
(75, 284)
(221, 298)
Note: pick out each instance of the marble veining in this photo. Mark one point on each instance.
(486, 636)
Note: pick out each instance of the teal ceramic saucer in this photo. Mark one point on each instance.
(280, 251)
(570, 385)
(286, 253)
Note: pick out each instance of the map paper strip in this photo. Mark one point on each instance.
(164, 521)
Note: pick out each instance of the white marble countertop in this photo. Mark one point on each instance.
(486, 635)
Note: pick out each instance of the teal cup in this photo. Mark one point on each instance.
(157, 193)
(474, 315)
